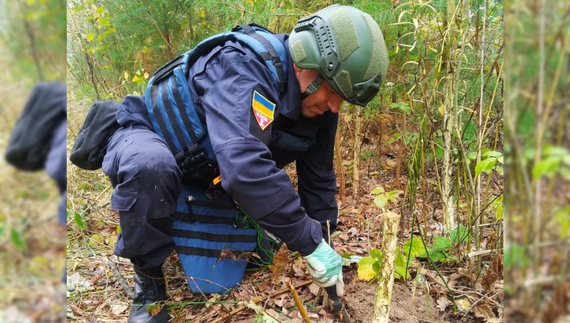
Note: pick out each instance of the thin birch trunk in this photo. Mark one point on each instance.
(386, 278)
(449, 121)
(480, 134)
(339, 167)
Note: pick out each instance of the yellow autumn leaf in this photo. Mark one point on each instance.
(90, 37)
(96, 241)
(146, 76)
(442, 110)
(366, 269)
(126, 75)
(137, 79)
(463, 305)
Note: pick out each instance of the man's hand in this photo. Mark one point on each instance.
(325, 265)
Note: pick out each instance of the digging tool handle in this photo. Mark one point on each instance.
(337, 304)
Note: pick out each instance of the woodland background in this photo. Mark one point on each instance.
(468, 111)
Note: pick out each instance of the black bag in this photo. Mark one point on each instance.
(91, 142)
(32, 135)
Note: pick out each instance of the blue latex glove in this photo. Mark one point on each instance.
(325, 265)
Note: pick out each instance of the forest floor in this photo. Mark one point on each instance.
(100, 283)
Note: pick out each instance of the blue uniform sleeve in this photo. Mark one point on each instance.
(317, 179)
(248, 173)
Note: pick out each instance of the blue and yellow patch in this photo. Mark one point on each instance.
(263, 110)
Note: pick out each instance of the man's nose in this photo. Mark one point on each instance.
(334, 103)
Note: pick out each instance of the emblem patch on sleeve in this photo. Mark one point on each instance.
(263, 110)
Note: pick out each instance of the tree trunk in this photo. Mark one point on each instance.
(386, 279)
(339, 168)
(449, 120)
(356, 148)
(33, 48)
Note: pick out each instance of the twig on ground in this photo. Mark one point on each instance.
(120, 278)
(544, 280)
(298, 302)
(257, 300)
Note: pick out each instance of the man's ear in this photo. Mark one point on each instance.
(304, 76)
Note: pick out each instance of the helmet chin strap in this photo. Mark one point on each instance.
(313, 86)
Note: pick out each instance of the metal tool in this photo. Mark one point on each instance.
(339, 310)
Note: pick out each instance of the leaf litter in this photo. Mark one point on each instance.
(455, 293)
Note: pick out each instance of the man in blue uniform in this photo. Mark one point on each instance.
(255, 130)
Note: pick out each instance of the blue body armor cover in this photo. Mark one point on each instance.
(209, 235)
(169, 101)
(212, 240)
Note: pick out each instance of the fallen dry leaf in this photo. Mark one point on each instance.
(442, 303)
(483, 311)
(280, 299)
(314, 289)
(76, 310)
(352, 231)
(488, 279)
(118, 309)
(299, 267)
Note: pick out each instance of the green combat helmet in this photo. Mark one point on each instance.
(346, 46)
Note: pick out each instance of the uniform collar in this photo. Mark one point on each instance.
(291, 100)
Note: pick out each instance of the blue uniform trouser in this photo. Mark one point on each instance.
(146, 183)
(55, 166)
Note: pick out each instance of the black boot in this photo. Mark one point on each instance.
(150, 287)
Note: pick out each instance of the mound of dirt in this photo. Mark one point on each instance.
(406, 307)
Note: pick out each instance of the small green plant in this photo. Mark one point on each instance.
(18, 239)
(441, 246)
(438, 251)
(369, 267)
(382, 197)
(515, 257)
(78, 219)
(490, 160)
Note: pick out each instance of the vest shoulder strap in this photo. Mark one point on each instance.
(170, 104)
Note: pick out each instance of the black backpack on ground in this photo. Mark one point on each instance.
(31, 138)
(91, 143)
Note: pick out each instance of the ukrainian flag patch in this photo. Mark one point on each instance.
(263, 110)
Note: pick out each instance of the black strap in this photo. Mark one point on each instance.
(206, 47)
(171, 117)
(159, 118)
(183, 113)
(272, 52)
(166, 69)
(230, 238)
(313, 87)
(204, 252)
(204, 218)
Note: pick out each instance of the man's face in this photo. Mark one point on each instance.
(324, 99)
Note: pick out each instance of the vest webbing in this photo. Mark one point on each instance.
(170, 104)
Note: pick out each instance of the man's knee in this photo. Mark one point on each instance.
(156, 166)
